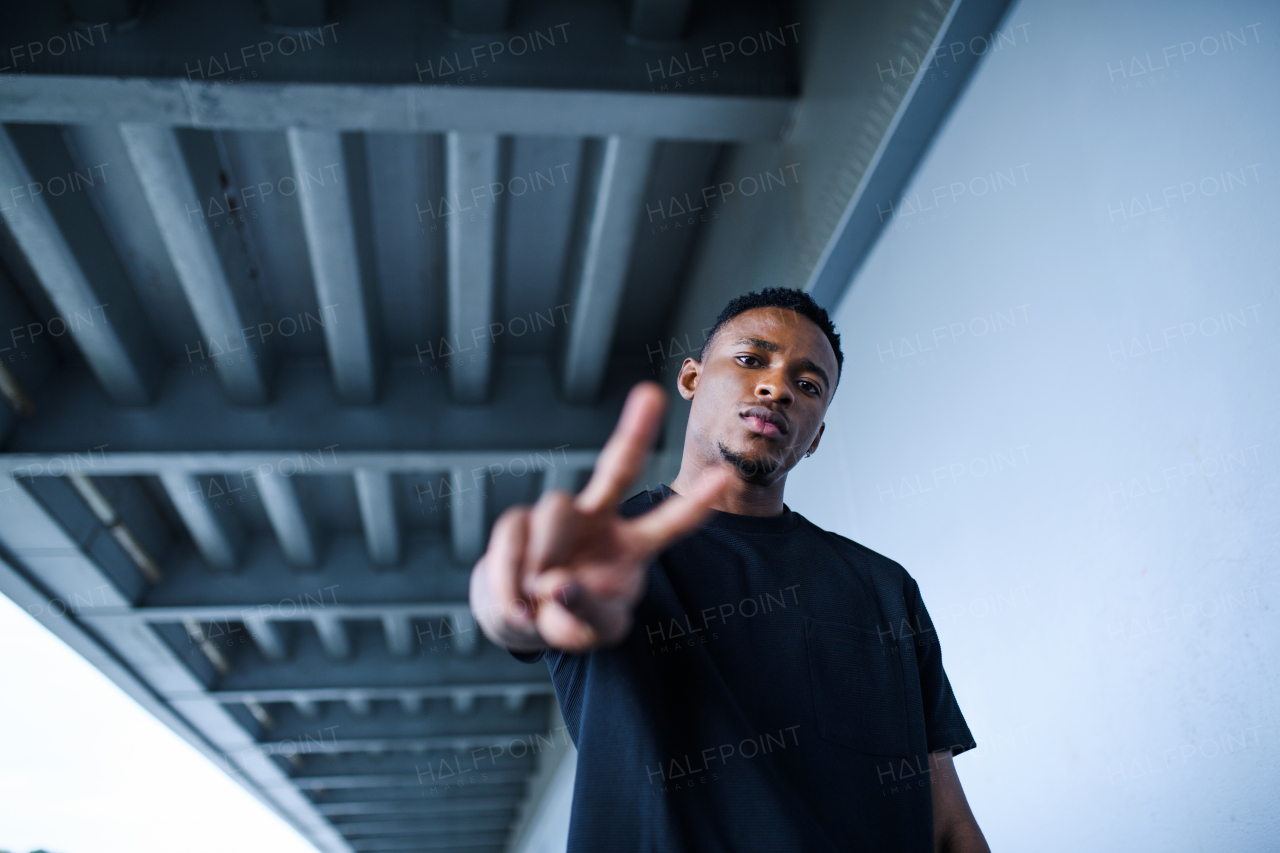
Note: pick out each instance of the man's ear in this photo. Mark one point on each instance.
(817, 438)
(687, 381)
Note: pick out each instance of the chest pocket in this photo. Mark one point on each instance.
(858, 691)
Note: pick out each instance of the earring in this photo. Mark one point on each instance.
(807, 455)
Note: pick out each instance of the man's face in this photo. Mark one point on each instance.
(761, 394)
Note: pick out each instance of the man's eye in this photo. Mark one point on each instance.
(809, 386)
(748, 358)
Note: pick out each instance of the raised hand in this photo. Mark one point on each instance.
(567, 572)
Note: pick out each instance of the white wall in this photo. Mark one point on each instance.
(543, 823)
(1086, 489)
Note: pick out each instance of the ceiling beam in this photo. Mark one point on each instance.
(438, 720)
(82, 276)
(415, 411)
(125, 512)
(330, 180)
(564, 43)
(460, 744)
(106, 621)
(67, 99)
(401, 780)
(67, 508)
(265, 635)
(466, 634)
(378, 515)
(473, 167)
(467, 514)
(333, 636)
(406, 173)
(919, 117)
(219, 538)
(448, 625)
(399, 634)
(237, 462)
(284, 509)
(420, 806)
(126, 215)
(15, 396)
(425, 767)
(426, 790)
(275, 613)
(185, 181)
(615, 175)
(21, 379)
(428, 588)
(470, 842)
(481, 837)
(428, 831)
(313, 665)
(375, 693)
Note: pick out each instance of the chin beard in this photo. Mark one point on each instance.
(756, 471)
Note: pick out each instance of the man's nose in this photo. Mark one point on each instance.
(773, 387)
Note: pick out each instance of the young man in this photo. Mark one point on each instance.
(734, 677)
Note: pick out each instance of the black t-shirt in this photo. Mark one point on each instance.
(780, 691)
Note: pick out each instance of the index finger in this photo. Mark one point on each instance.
(678, 515)
(625, 453)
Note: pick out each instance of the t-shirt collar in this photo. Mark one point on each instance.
(781, 523)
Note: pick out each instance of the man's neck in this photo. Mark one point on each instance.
(742, 497)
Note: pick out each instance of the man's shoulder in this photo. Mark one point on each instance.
(641, 502)
(856, 552)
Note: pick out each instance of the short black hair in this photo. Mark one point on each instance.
(779, 297)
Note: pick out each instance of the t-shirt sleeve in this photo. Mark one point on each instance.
(944, 724)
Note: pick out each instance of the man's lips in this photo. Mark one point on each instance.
(764, 422)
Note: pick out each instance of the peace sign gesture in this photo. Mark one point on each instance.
(567, 572)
